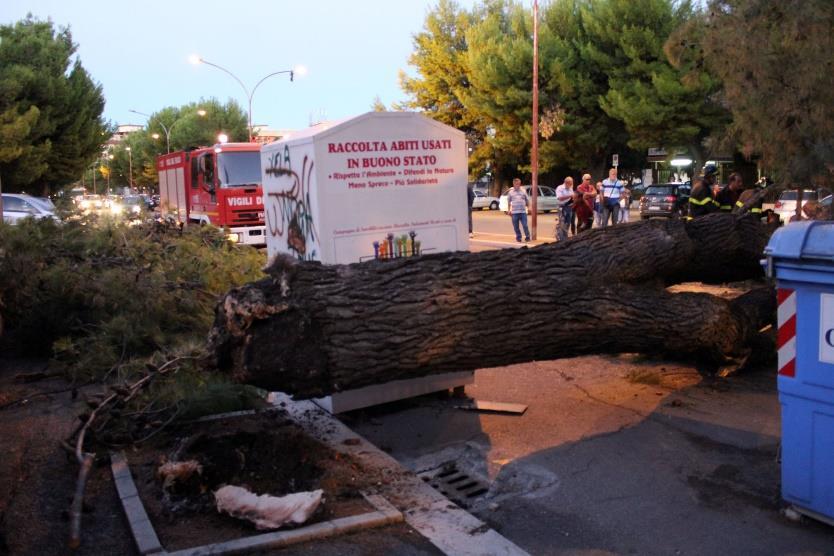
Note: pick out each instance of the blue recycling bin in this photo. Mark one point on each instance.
(801, 257)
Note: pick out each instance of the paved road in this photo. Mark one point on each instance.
(494, 230)
(615, 455)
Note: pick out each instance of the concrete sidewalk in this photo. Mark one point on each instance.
(614, 455)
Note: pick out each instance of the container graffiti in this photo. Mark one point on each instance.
(288, 210)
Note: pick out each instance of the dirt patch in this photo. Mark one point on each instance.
(265, 453)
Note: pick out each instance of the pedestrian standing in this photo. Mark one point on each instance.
(598, 205)
(564, 196)
(611, 190)
(625, 204)
(470, 195)
(517, 203)
(583, 204)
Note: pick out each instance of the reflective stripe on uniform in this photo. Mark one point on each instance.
(756, 210)
(725, 207)
(701, 202)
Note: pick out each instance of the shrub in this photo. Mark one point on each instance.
(100, 296)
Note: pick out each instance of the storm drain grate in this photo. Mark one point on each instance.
(456, 485)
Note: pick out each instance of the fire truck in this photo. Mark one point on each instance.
(219, 185)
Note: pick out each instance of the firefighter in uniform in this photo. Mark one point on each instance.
(728, 197)
(701, 201)
(745, 195)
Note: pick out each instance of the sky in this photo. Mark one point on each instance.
(138, 51)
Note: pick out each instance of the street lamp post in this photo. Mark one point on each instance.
(130, 169)
(300, 70)
(166, 129)
(109, 171)
(163, 126)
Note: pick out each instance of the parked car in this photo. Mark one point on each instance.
(89, 203)
(47, 202)
(546, 200)
(133, 205)
(827, 212)
(17, 206)
(484, 201)
(786, 205)
(637, 191)
(667, 199)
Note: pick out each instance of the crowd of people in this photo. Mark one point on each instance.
(588, 205)
(606, 202)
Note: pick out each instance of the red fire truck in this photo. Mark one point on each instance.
(219, 185)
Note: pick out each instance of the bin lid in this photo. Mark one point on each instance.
(813, 239)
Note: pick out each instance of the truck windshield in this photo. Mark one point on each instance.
(239, 168)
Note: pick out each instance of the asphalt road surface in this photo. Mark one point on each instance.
(494, 230)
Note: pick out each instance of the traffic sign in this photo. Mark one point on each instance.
(615, 160)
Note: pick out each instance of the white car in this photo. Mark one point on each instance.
(786, 205)
(17, 206)
(545, 203)
(89, 203)
(484, 201)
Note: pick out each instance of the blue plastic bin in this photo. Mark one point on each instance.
(801, 257)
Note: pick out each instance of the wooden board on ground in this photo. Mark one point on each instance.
(494, 407)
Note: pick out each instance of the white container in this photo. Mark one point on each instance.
(334, 189)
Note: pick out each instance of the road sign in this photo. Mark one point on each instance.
(615, 160)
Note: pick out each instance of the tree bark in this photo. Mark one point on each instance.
(310, 329)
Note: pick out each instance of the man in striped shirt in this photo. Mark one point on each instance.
(611, 190)
(517, 207)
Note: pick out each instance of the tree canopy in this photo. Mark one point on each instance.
(657, 104)
(192, 125)
(51, 124)
(606, 85)
(775, 61)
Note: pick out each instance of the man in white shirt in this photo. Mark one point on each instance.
(517, 202)
(611, 190)
(564, 195)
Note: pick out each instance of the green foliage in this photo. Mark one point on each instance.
(50, 109)
(499, 61)
(647, 93)
(605, 83)
(186, 126)
(106, 296)
(440, 59)
(575, 77)
(775, 60)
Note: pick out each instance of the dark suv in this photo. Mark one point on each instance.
(665, 199)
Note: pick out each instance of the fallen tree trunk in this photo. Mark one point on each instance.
(310, 329)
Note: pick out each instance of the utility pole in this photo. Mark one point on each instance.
(534, 154)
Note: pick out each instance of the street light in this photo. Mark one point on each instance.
(109, 171)
(130, 169)
(297, 70)
(166, 129)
